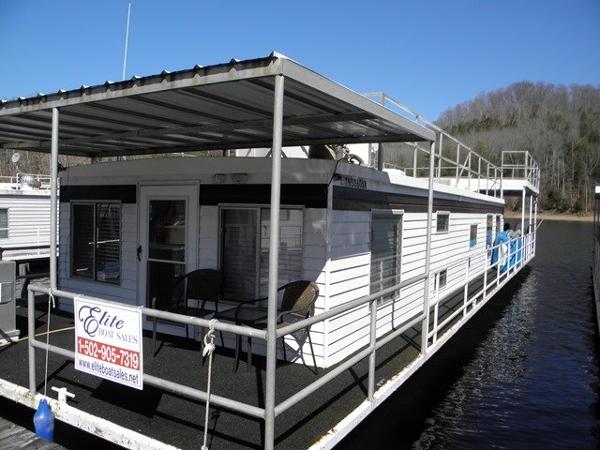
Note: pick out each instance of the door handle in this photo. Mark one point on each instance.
(139, 253)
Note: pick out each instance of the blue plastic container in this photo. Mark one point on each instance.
(43, 421)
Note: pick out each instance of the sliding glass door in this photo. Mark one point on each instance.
(245, 234)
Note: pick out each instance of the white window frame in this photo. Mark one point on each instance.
(71, 240)
(399, 249)
(437, 288)
(443, 213)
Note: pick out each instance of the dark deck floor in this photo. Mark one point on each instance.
(178, 421)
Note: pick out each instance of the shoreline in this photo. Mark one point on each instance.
(550, 216)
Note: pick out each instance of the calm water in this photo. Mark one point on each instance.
(523, 375)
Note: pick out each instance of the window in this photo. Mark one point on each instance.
(473, 236)
(386, 243)
(245, 250)
(489, 231)
(96, 241)
(442, 277)
(442, 222)
(3, 223)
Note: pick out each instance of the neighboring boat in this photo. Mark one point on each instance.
(395, 253)
(24, 217)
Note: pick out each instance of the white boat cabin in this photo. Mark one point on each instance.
(24, 217)
(128, 228)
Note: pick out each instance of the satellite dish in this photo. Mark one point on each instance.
(15, 158)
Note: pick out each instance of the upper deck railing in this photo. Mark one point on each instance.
(520, 165)
(456, 163)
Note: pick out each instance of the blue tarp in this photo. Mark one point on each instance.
(500, 251)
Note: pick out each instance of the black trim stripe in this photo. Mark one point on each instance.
(345, 198)
(126, 193)
(309, 195)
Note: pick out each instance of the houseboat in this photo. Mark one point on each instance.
(390, 237)
(25, 217)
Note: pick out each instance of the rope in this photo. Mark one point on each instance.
(53, 304)
(60, 330)
(209, 348)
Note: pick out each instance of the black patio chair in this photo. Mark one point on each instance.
(201, 285)
(297, 303)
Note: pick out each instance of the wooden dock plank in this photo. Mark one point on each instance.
(13, 436)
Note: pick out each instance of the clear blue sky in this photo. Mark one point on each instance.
(430, 55)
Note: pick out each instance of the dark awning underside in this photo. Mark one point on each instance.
(225, 106)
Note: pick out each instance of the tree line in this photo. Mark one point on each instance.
(559, 125)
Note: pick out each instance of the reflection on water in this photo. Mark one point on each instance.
(526, 375)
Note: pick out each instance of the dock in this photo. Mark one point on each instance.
(13, 436)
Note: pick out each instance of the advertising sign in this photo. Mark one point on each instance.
(108, 341)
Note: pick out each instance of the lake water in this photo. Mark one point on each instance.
(522, 375)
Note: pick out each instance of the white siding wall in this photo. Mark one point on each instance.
(126, 292)
(350, 271)
(28, 221)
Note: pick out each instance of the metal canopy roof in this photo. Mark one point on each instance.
(224, 106)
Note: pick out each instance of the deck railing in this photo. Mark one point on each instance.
(437, 333)
(520, 165)
(455, 162)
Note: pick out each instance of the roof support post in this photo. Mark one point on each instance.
(441, 147)
(53, 197)
(273, 263)
(425, 325)
(380, 156)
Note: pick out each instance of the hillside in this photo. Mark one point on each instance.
(559, 125)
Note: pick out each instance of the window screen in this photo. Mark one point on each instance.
(245, 250)
(83, 240)
(290, 247)
(239, 253)
(96, 241)
(443, 222)
(108, 242)
(386, 235)
(3, 223)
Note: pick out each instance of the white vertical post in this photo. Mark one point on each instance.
(273, 264)
(31, 335)
(53, 197)
(523, 200)
(441, 147)
(485, 275)
(415, 158)
(466, 292)
(469, 182)
(535, 210)
(457, 161)
(425, 326)
(436, 307)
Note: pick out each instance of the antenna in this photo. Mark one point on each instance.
(126, 41)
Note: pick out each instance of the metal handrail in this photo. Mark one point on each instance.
(485, 169)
